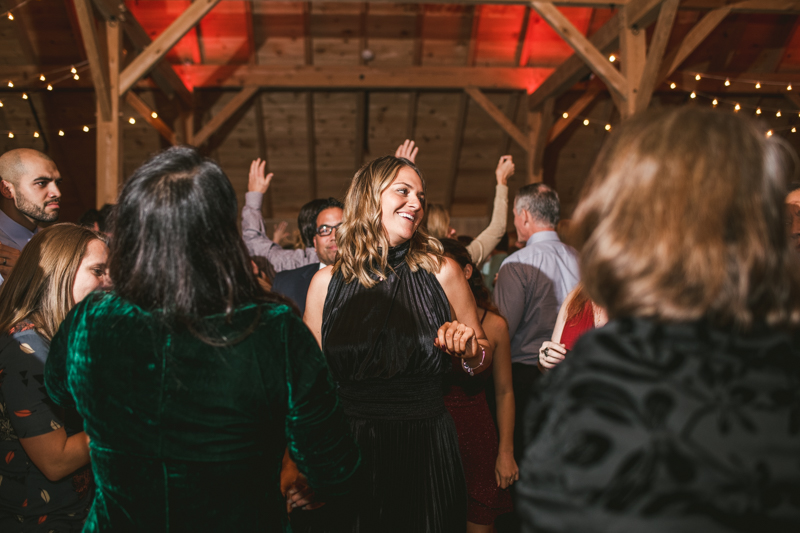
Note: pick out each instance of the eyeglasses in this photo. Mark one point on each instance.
(325, 230)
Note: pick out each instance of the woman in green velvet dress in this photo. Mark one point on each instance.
(192, 380)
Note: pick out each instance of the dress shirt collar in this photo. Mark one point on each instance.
(19, 234)
(542, 236)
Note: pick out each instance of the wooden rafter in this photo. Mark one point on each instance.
(164, 42)
(633, 49)
(308, 43)
(109, 134)
(498, 116)
(641, 12)
(97, 65)
(455, 154)
(573, 112)
(475, 22)
(584, 48)
(263, 152)
(520, 59)
(692, 40)
(163, 74)
(658, 44)
(241, 98)
(144, 110)
(512, 108)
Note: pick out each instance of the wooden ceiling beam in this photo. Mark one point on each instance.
(572, 113)
(539, 122)
(655, 55)
(498, 116)
(520, 57)
(360, 77)
(692, 40)
(163, 74)
(224, 114)
(144, 110)
(145, 61)
(587, 51)
(571, 71)
(97, 64)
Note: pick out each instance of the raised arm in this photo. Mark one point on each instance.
(480, 248)
(255, 234)
(463, 337)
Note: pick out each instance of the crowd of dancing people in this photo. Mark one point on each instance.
(164, 368)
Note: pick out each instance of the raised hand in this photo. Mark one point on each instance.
(257, 181)
(505, 168)
(279, 232)
(407, 150)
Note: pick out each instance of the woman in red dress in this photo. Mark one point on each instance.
(578, 314)
(489, 465)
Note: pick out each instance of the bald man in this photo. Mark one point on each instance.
(793, 205)
(29, 196)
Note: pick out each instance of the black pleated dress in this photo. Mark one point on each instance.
(379, 346)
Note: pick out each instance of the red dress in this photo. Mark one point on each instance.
(477, 442)
(577, 326)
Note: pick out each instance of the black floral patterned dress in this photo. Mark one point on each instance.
(649, 427)
(30, 502)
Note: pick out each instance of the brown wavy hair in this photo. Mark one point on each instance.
(682, 217)
(437, 221)
(361, 239)
(39, 288)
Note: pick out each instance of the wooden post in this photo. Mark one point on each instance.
(109, 133)
(633, 48)
(539, 122)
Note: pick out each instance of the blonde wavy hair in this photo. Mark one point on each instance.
(437, 221)
(361, 239)
(39, 288)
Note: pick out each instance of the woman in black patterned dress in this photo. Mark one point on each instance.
(683, 413)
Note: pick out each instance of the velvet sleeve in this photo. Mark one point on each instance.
(317, 433)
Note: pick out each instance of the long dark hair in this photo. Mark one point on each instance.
(176, 248)
(459, 253)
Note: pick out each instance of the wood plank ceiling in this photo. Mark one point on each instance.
(334, 84)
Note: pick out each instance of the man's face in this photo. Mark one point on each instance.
(325, 245)
(793, 213)
(36, 195)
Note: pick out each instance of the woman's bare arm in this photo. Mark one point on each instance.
(57, 455)
(315, 301)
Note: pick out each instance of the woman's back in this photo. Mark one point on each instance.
(191, 435)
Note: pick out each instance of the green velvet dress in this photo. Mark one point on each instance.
(186, 436)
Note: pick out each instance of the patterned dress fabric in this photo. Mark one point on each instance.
(189, 436)
(657, 427)
(379, 345)
(29, 501)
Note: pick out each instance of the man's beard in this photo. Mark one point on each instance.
(34, 211)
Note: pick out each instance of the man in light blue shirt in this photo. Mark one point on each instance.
(531, 286)
(29, 196)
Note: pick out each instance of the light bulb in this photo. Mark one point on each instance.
(778, 113)
(758, 85)
(49, 87)
(41, 77)
(697, 77)
(612, 58)
(155, 115)
(60, 133)
(737, 107)
(24, 96)
(672, 85)
(73, 70)
(10, 16)
(714, 102)
(758, 111)
(608, 127)
(10, 83)
(586, 122)
(35, 134)
(132, 120)
(76, 77)
(727, 83)
(693, 95)
(769, 133)
(789, 87)
(10, 135)
(86, 129)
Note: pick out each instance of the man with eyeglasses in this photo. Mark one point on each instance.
(294, 283)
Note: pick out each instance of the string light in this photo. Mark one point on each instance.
(608, 127)
(714, 102)
(564, 114)
(758, 111)
(73, 70)
(769, 133)
(1, 104)
(49, 87)
(672, 85)
(778, 114)
(693, 95)
(10, 135)
(76, 77)
(727, 83)
(758, 85)
(612, 58)
(86, 129)
(24, 96)
(789, 87)
(10, 83)
(737, 107)
(697, 77)
(586, 122)
(10, 16)
(794, 130)
(155, 115)
(60, 133)
(35, 134)
(41, 77)
(132, 120)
